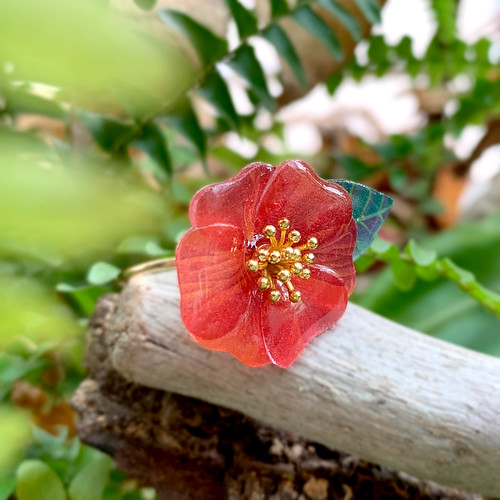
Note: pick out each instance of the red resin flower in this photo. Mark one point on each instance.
(250, 284)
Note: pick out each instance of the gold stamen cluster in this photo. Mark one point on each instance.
(280, 260)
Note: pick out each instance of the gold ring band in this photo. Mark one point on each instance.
(153, 266)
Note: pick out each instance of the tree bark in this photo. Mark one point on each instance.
(370, 387)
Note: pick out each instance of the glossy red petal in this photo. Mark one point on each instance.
(287, 327)
(232, 201)
(213, 280)
(337, 255)
(245, 342)
(314, 207)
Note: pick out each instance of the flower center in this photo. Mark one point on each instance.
(281, 260)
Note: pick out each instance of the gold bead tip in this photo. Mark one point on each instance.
(309, 258)
(288, 253)
(312, 243)
(270, 231)
(294, 236)
(274, 257)
(297, 254)
(264, 283)
(305, 274)
(253, 265)
(297, 268)
(295, 296)
(284, 275)
(263, 255)
(284, 224)
(275, 296)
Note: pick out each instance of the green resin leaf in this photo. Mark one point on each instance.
(369, 209)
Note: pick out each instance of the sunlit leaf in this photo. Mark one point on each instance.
(214, 90)
(63, 54)
(145, 4)
(369, 209)
(209, 47)
(277, 36)
(347, 19)
(422, 256)
(15, 430)
(101, 273)
(313, 23)
(247, 65)
(37, 481)
(246, 22)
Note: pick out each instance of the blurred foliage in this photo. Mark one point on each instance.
(110, 121)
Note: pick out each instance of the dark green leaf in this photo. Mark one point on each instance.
(111, 134)
(90, 481)
(246, 65)
(13, 367)
(370, 10)
(277, 36)
(369, 209)
(184, 120)
(37, 481)
(145, 4)
(210, 48)
(333, 82)
(20, 100)
(154, 144)
(279, 8)
(347, 19)
(214, 90)
(101, 273)
(311, 22)
(245, 20)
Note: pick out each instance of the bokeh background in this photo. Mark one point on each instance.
(114, 113)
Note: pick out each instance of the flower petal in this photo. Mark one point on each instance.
(214, 282)
(245, 342)
(337, 255)
(287, 327)
(232, 201)
(314, 207)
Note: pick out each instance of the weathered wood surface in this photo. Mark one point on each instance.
(371, 387)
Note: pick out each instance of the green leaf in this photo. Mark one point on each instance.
(145, 4)
(209, 47)
(277, 36)
(370, 10)
(333, 82)
(311, 22)
(245, 20)
(20, 100)
(37, 481)
(111, 134)
(246, 65)
(214, 90)
(101, 273)
(421, 256)
(279, 8)
(90, 481)
(184, 120)
(347, 19)
(154, 144)
(7, 487)
(13, 367)
(404, 274)
(369, 209)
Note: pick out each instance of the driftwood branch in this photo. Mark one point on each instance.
(371, 387)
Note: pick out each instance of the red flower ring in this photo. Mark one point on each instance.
(268, 263)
